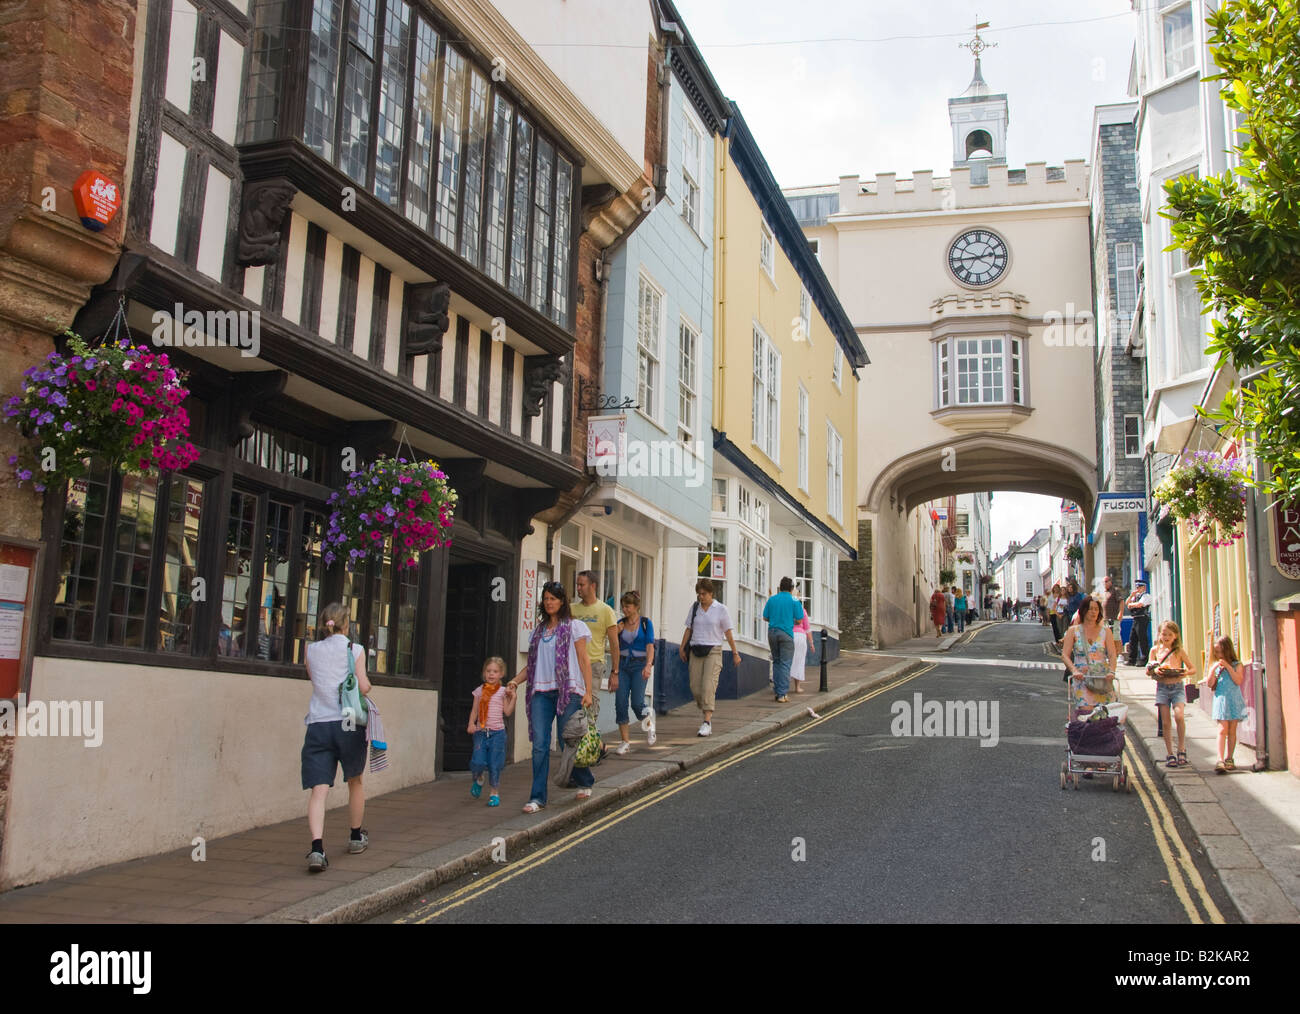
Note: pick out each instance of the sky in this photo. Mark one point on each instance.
(1018, 515)
(820, 109)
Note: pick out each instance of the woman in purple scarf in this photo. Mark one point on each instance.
(559, 683)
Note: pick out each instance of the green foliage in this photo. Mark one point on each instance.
(1206, 489)
(1243, 231)
(1074, 551)
(947, 576)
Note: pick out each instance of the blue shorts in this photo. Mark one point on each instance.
(489, 755)
(1168, 694)
(325, 747)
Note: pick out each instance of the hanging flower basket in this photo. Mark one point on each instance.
(1206, 489)
(405, 504)
(1074, 552)
(118, 403)
(965, 557)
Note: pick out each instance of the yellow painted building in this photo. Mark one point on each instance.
(784, 404)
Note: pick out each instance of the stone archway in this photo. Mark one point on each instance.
(886, 609)
(982, 462)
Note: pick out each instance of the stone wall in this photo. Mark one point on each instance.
(1119, 375)
(66, 78)
(855, 594)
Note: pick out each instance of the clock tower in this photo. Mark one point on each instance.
(979, 120)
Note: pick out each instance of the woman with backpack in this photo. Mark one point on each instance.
(636, 645)
(333, 739)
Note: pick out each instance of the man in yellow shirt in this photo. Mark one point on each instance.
(602, 623)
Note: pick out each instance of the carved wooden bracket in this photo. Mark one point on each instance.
(247, 391)
(94, 318)
(540, 372)
(366, 437)
(428, 317)
(265, 203)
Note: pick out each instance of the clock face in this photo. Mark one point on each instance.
(978, 257)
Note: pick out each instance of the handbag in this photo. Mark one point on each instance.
(698, 650)
(591, 745)
(1193, 691)
(350, 699)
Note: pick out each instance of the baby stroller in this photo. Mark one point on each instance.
(1094, 744)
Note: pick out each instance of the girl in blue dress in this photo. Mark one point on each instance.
(1225, 679)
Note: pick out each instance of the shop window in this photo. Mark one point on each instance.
(128, 556)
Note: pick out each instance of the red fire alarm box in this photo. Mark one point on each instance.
(97, 198)
(17, 594)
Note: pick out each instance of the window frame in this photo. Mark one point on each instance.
(1013, 376)
(225, 476)
(805, 316)
(834, 474)
(654, 385)
(1136, 436)
(688, 388)
(1123, 271)
(767, 250)
(803, 438)
(548, 279)
(1188, 48)
(837, 367)
(765, 409)
(692, 196)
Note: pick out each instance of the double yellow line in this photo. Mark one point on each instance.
(502, 876)
(1184, 878)
(1173, 851)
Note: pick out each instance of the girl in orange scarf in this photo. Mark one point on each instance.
(488, 727)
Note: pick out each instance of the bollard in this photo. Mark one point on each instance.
(822, 655)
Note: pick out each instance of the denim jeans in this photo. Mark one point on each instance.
(489, 755)
(631, 684)
(947, 622)
(960, 617)
(542, 717)
(782, 645)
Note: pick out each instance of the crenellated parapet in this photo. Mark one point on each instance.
(1036, 183)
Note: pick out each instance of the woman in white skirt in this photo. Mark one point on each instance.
(803, 644)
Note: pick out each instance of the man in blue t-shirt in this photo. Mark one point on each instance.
(782, 612)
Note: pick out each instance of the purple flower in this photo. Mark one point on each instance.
(67, 427)
(24, 474)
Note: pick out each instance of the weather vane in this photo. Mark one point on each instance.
(977, 45)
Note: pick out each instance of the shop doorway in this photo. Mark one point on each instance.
(465, 647)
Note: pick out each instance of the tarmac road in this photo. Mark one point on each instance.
(843, 821)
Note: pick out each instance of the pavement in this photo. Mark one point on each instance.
(1248, 821)
(421, 837)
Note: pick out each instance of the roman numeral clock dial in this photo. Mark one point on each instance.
(978, 258)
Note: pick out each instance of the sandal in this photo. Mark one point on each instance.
(584, 793)
(494, 800)
(532, 806)
(1171, 761)
(1221, 768)
(1182, 759)
(1229, 765)
(782, 700)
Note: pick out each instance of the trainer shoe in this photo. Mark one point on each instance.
(317, 863)
(623, 748)
(651, 735)
(357, 846)
(705, 729)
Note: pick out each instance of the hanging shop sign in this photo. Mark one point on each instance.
(1286, 539)
(97, 199)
